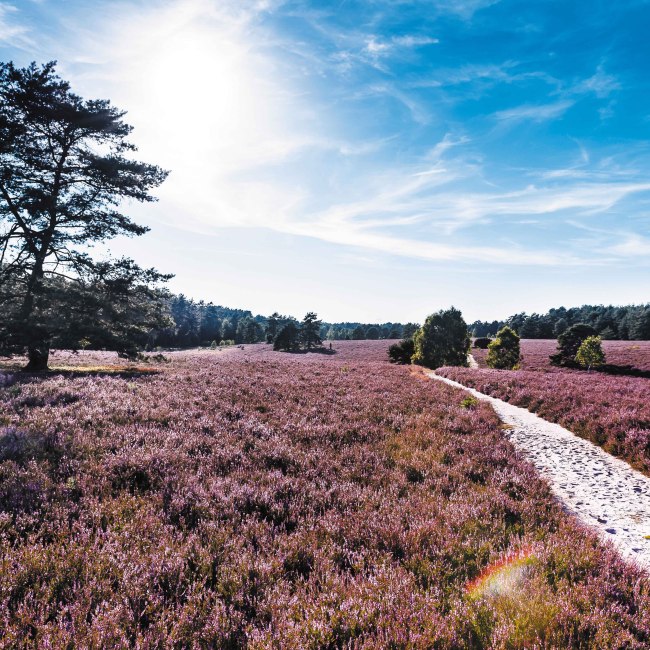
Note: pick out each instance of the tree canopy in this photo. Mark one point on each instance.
(65, 169)
(443, 340)
(504, 351)
(569, 342)
(590, 353)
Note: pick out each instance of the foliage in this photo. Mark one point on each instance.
(402, 352)
(590, 353)
(629, 322)
(359, 333)
(225, 503)
(503, 351)
(443, 340)
(309, 330)
(469, 402)
(409, 330)
(623, 357)
(481, 342)
(288, 338)
(372, 333)
(65, 169)
(640, 325)
(568, 343)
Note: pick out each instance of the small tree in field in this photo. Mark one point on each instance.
(568, 343)
(443, 340)
(590, 353)
(503, 351)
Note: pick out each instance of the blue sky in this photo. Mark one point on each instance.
(375, 160)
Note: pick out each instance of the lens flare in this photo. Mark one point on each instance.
(504, 577)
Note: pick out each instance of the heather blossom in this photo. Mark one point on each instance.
(247, 498)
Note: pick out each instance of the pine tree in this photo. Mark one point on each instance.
(310, 330)
(64, 172)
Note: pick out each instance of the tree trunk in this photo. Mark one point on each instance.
(38, 357)
(38, 345)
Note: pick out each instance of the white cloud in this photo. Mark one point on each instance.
(377, 47)
(463, 8)
(11, 31)
(600, 84)
(535, 112)
(247, 149)
(633, 245)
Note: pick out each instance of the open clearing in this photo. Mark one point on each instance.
(252, 499)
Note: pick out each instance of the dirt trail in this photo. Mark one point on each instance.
(471, 361)
(602, 491)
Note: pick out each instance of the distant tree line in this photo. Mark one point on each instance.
(625, 323)
(197, 323)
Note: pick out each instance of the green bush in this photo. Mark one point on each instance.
(504, 351)
(401, 352)
(569, 342)
(443, 340)
(590, 353)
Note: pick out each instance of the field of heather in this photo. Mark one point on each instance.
(535, 354)
(247, 498)
(612, 411)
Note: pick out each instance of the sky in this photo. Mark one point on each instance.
(374, 161)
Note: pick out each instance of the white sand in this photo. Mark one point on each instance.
(471, 361)
(602, 491)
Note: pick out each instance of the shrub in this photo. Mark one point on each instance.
(443, 340)
(469, 402)
(503, 351)
(590, 353)
(568, 343)
(401, 352)
(482, 342)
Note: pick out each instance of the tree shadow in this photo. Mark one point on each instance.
(10, 376)
(609, 369)
(325, 351)
(626, 371)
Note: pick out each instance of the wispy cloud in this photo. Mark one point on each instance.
(535, 112)
(214, 97)
(601, 84)
(377, 48)
(463, 8)
(12, 32)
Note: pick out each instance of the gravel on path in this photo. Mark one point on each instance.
(604, 492)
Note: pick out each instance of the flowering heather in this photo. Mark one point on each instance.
(247, 498)
(536, 352)
(612, 412)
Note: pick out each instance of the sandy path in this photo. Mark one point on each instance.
(602, 491)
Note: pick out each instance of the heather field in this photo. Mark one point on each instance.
(612, 411)
(535, 354)
(246, 498)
